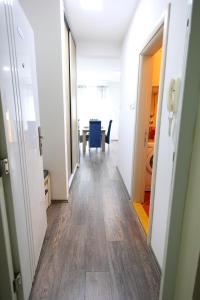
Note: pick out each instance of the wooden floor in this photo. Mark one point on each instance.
(94, 247)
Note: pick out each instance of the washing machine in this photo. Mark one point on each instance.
(149, 165)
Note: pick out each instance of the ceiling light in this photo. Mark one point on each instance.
(6, 69)
(91, 4)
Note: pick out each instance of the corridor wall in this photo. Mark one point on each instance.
(136, 38)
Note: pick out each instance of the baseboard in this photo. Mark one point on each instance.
(155, 261)
(72, 175)
(123, 184)
(58, 201)
(133, 211)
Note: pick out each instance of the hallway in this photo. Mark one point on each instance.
(94, 247)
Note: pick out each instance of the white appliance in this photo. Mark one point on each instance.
(19, 99)
(149, 165)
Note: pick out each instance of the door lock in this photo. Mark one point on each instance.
(4, 167)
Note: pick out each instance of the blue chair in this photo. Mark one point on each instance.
(108, 132)
(95, 134)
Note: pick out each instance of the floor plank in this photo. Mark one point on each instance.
(96, 256)
(98, 286)
(72, 286)
(95, 248)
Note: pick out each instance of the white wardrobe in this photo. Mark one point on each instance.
(25, 203)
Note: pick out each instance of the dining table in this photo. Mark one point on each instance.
(86, 130)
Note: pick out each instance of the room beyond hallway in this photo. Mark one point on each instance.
(94, 246)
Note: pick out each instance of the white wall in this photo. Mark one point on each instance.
(139, 31)
(45, 20)
(97, 70)
(99, 67)
(190, 245)
(114, 109)
(102, 103)
(100, 50)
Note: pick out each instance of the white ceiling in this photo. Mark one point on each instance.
(98, 36)
(98, 71)
(106, 26)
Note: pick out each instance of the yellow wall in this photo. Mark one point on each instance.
(155, 82)
(156, 67)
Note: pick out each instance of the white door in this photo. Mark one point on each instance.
(12, 132)
(26, 66)
(19, 98)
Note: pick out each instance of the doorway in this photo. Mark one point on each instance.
(148, 115)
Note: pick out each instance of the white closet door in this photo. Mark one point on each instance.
(28, 94)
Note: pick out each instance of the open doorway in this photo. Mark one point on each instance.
(151, 128)
(151, 77)
(98, 99)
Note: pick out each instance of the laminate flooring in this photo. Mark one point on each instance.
(94, 248)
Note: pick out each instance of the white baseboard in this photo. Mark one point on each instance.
(123, 184)
(73, 174)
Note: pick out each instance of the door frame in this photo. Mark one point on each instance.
(7, 270)
(152, 43)
(183, 153)
(71, 142)
(73, 102)
(67, 100)
(196, 293)
(6, 258)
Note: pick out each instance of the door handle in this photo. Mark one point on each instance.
(40, 138)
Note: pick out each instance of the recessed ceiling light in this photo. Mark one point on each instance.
(6, 69)
(92, 4)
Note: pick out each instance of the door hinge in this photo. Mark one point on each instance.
(4, 167)
(40, 138)
(17, 282)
